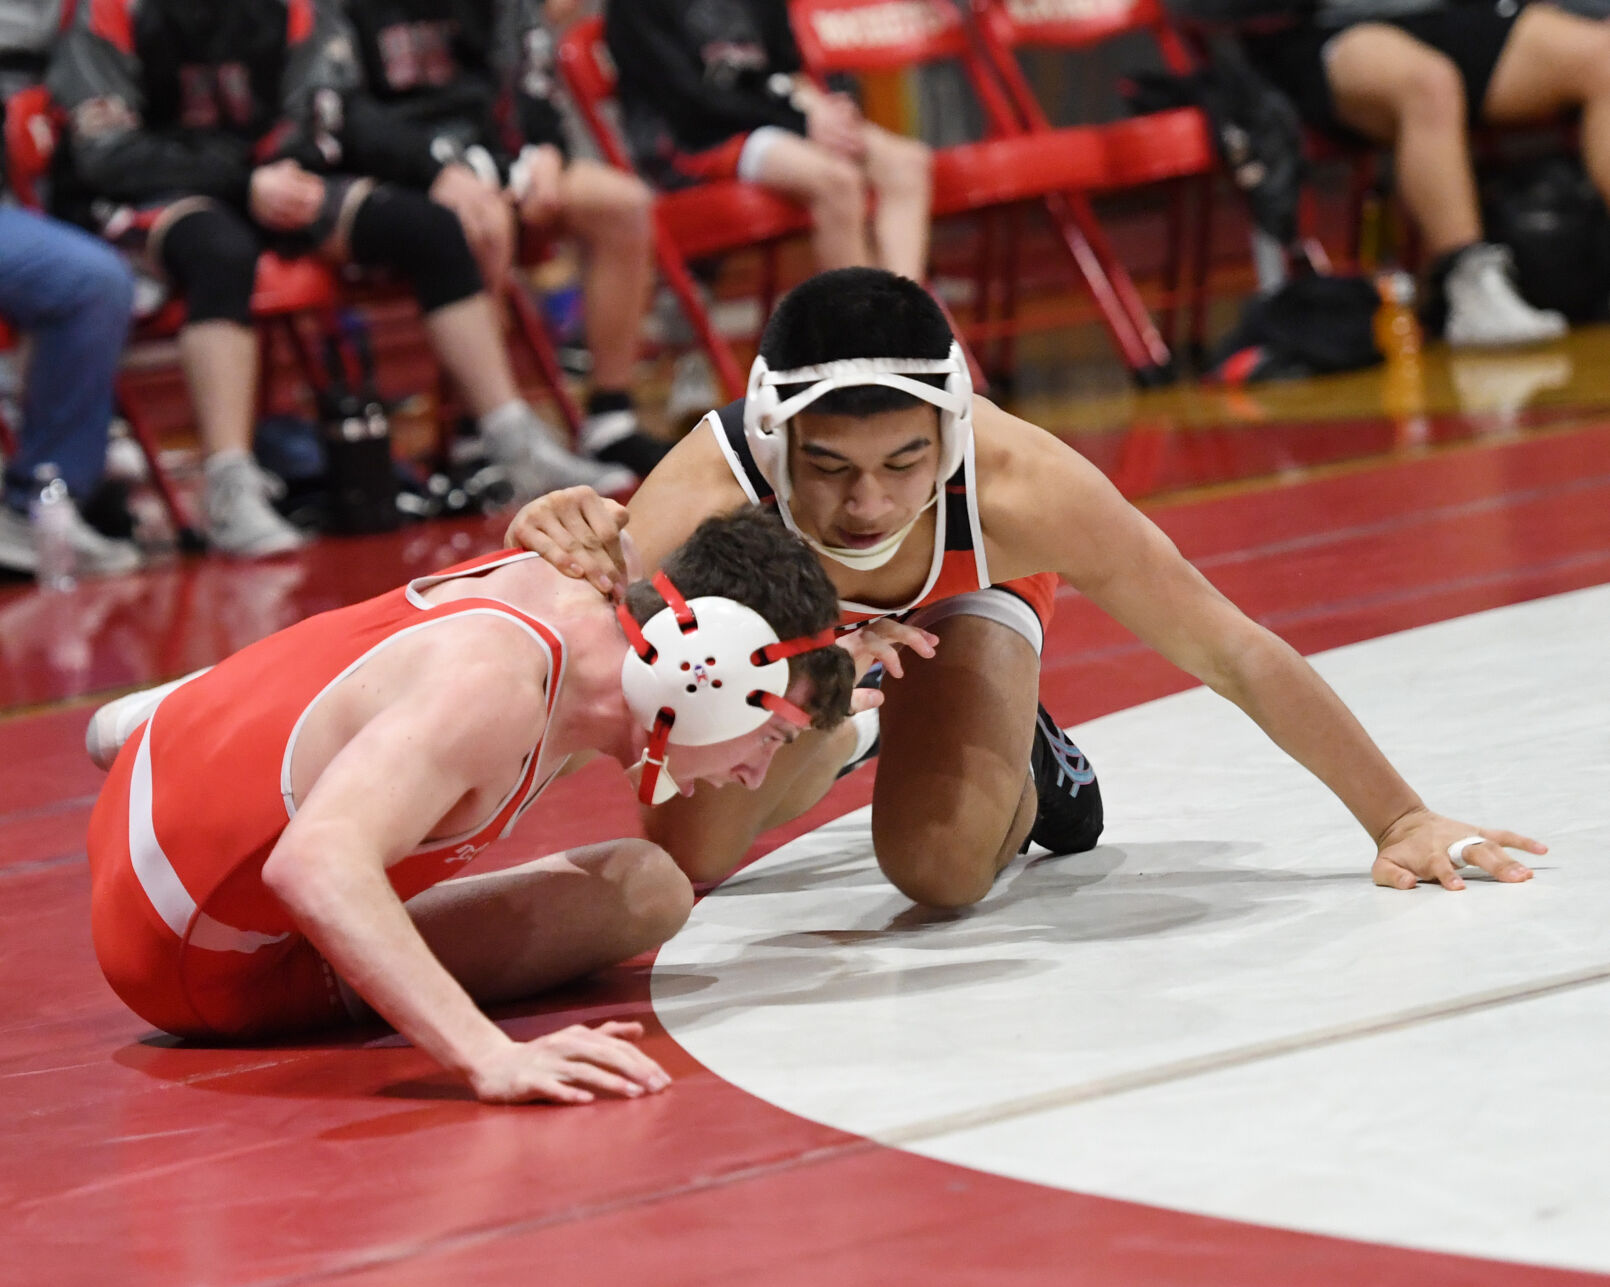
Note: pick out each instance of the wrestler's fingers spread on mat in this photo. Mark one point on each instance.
(610, 1046)
(1491, 857)
(1388, 873)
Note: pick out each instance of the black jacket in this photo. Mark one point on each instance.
(693, 73)
(444, 75)
(178, 97)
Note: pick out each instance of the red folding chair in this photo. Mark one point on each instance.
(1013, 165)
(1170, 147)
(692, 223)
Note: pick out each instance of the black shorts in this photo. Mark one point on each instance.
(1470, 32)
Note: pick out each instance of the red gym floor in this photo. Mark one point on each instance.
(128, 1158)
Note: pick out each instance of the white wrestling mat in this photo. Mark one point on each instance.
(1216, 1011)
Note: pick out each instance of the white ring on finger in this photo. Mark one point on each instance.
(1456, 851)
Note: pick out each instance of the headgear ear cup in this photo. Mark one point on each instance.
(956, 426)
(768, 440)
(705, 670)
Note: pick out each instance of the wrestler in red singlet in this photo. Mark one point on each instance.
(184, 928)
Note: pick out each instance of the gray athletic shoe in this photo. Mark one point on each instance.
(693, 389)
(1484, 308)
(240, 520)
(529, 453)
(96, 555)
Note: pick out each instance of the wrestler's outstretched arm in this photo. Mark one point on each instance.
(459, 733)
(1046, 508)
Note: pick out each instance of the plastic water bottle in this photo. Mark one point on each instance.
(1397, 330)
(1397, 335)
(51, 518)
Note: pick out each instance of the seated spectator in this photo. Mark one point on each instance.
(201, 135)
(1415, 75)
(712, 89)
(464, 91)
(72, 295)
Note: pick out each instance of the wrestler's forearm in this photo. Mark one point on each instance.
(1302, 715)
(350, 913)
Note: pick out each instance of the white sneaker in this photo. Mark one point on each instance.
(529, 452)
(240, 520)
(114, 723)
(1484, 308)
(96, 555)
(693, 389)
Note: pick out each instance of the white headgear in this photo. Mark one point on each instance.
(701, 671)
(766, 413)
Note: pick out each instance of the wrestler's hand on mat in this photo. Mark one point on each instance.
(1416, 848)
(882, 640)
(577, 531)
(572, 1066)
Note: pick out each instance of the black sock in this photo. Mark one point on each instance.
(600, 401)
(1434, 298)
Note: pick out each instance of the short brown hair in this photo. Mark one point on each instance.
(749, 556)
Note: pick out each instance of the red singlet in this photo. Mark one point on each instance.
(185, 930)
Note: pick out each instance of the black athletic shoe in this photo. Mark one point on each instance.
(1069, 819)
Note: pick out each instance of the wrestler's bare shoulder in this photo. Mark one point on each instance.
(694, 482)
(1027, 479)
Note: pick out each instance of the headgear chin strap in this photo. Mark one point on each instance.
(701, 671)
(767, 413)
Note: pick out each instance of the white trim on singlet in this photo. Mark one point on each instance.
(161, 883)
(975, 524)
(555, 679)
(415, 589)
(734, 461)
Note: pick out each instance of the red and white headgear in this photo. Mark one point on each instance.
(701, 671)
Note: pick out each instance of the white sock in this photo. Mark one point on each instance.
(866, 726)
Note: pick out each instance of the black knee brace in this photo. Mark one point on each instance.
(404, 230)
(211, 255)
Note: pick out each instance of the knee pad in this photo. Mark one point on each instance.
(406, 231)
(211, 254)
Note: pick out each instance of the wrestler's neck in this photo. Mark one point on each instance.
(899, 580)
(591, 714)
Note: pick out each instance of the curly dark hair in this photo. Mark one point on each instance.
(749, 556)
(853, 313)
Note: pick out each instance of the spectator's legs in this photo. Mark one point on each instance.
(1393, 88)
(1400, 91)
(1554, 62)
(406, 231)
(832, 188)
(609, 211)
(900, 171)
(72, 293)
(210, 253)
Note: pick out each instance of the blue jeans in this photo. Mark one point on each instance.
(72, 294)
